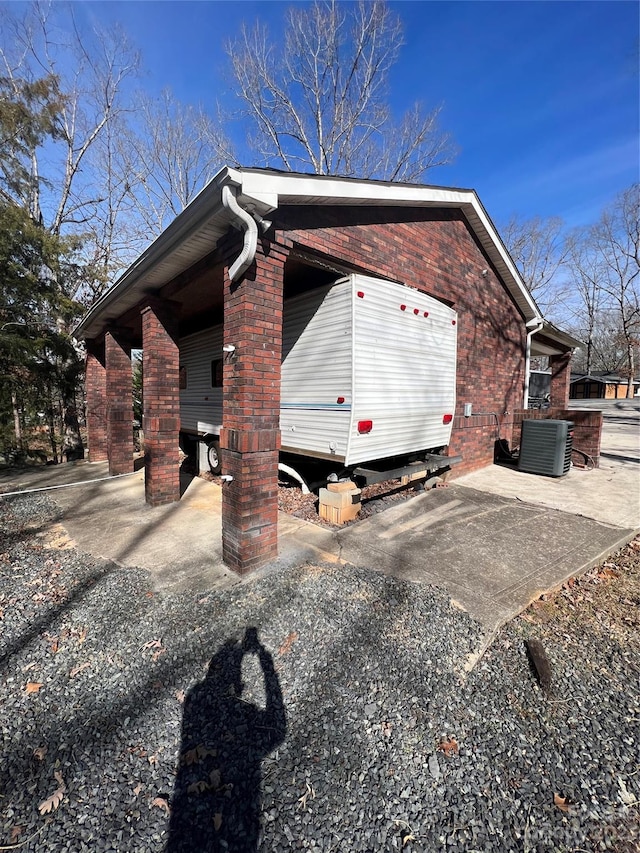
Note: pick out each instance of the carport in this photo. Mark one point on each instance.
(248, 240)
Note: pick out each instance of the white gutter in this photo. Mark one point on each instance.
(534, 326)
(247, 222)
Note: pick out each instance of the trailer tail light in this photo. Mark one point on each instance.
(340, 400)
(453, 322)
(416, 311)
(426, 313)
(361, 294)
(364, 427)
(403, 307)
(446, 419)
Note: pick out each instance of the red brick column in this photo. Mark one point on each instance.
(560, 379)
(119, 403)
(161, 402)
(96, 388)
(250, 440)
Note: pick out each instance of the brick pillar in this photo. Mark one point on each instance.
(250, 440)
(119, 403)
(161, 402)
(560, 378)
(96, 389)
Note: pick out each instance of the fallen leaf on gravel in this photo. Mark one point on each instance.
(449, 746)
(58, 777)
(16, 832)
(387, 728)
(153, 644)
(407, 838)
(33, 686)
(39, 752)
(78, 669)
(217, 821)
(52, 802)
(302, 801)
(198, 787)
(180, 696)
(138, 788)
(607, 574)
(286, 646)
(561, 802)
(195, 755)
(161, 803)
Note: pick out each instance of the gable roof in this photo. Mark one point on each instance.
(196, 231)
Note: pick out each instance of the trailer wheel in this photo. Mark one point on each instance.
(213, 456)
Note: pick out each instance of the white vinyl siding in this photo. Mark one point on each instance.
(200, 403)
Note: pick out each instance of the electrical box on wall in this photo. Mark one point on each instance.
(545, 447)
(468, 408)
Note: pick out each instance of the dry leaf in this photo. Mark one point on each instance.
(153, 760)
(607, 574)
(561, 802)
(449, 746)
(58, 777)
(153, 644)
(82, 635)
(161, 803)
(407, 838)
(198, 787)
(16, 832)
(33, 686)
(39, 752)
(195, 755)
(52, 802)
(180, 696)
(217, 821)
(78, 669)
(286, 646)
(387, 728)
(138, 788)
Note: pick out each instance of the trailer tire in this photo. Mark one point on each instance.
(213, 456)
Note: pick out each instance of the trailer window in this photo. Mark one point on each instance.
(216, 373)
(182, 377)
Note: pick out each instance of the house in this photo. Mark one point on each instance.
(599, 385)
(255, 237)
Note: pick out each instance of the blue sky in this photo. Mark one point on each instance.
(541, 97)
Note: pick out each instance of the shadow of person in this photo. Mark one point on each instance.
(216, 799)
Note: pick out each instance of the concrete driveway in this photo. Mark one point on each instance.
(495, 539)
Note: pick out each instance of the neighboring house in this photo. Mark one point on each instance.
(599, 385)
(253, 238)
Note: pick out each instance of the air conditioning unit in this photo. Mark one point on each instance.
(545, 447)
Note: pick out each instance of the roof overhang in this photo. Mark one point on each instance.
(196, 231)
(549, 340)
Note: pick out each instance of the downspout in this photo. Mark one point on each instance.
(536, 326)
(248, 224)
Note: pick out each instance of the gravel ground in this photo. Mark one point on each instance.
(321, 708)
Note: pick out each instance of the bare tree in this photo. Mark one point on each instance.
(87, 73)
(319, 101)
(170, 154)
(617, 243)
(584, 299)
(539, 249)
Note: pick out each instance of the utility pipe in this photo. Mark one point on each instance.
(535, 325)
(248, 224)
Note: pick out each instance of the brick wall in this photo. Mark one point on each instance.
(560, 380)
(161, 401)
(250, 440)
(119, 403)
(434, 251)
(587, 432)
(96, 388)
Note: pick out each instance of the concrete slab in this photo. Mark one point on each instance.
(492, 554)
